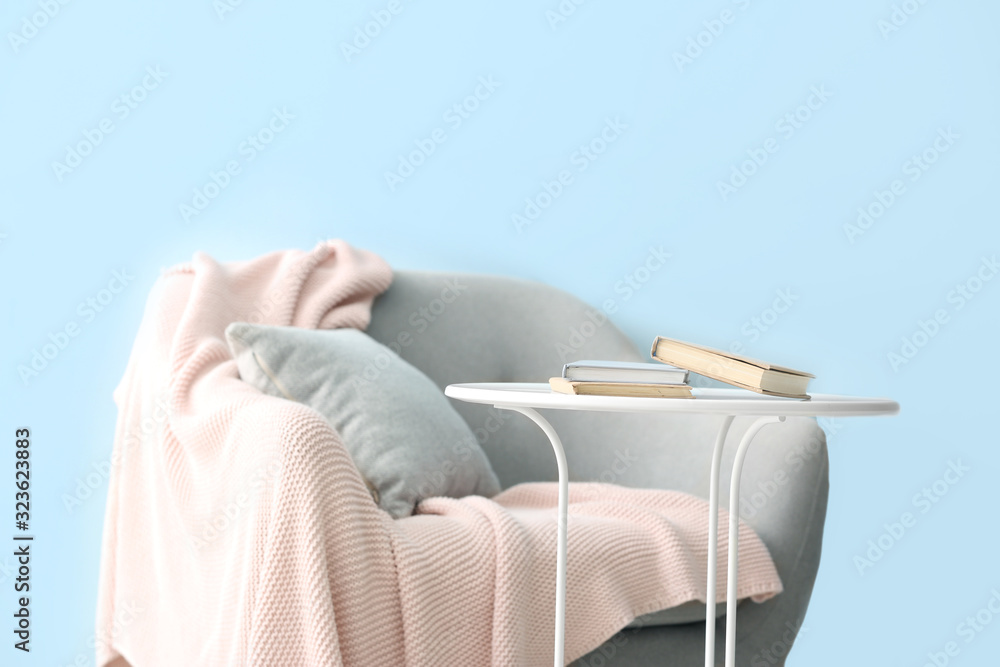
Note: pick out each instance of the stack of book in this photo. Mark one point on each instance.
(622, 378)
(616, 378)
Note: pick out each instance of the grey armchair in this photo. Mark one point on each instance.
(475, 328)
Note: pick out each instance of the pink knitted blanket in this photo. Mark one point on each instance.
(238, 531)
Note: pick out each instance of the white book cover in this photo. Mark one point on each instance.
(598, 370)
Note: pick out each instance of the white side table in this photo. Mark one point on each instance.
(525, 397)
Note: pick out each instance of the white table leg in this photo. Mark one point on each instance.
(713, 540)
(734, 534)
(557, 448)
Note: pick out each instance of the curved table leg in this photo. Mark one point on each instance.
(734, 534)
(713, 535)
(713, 540)
(557, 448)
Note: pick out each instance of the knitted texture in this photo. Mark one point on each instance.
(239, 532)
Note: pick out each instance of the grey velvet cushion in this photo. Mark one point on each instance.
(404, 436)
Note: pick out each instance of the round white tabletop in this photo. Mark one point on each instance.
(734, 402)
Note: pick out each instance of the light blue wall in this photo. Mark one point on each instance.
(683, 128)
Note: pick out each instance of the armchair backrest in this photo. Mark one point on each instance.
(478, 328)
